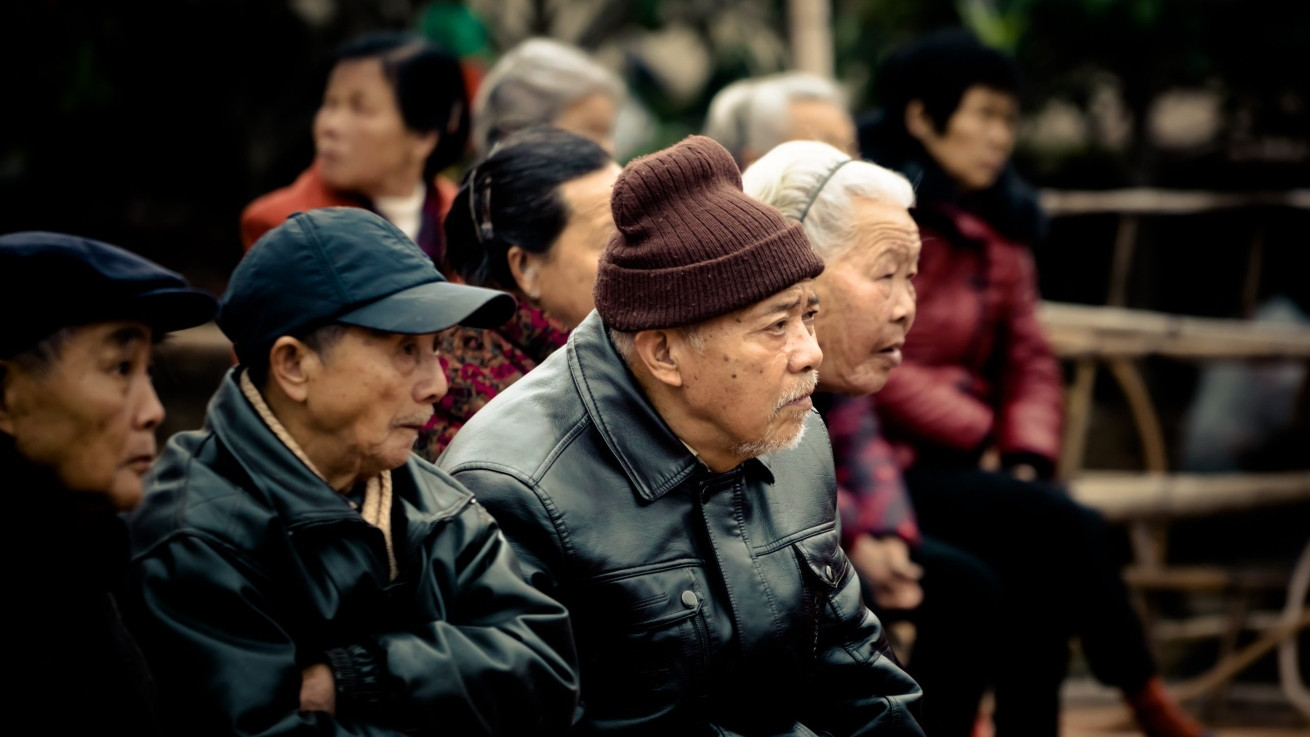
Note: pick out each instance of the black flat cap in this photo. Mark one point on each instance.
(50, 281)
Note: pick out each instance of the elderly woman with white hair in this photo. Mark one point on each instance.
(856, 216)
(752, 115)
(542, 81)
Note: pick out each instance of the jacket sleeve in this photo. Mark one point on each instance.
(224, 663)
(935, 405)
(859, 688)
(501, 663)
(1032, 384)
(871, 496)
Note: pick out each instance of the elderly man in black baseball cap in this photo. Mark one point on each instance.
(297, 569)
(78, 417)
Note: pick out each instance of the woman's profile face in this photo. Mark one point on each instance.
(563, 277)
(978, 139)
(361, 142)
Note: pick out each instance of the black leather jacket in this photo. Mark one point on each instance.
(247, 568)
(702, 603)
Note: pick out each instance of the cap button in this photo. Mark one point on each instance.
(689, 599)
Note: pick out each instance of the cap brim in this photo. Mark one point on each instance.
(167, 310)
(433, 307)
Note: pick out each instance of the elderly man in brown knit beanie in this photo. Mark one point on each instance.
(665, 478)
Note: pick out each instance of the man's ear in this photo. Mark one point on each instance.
(917, 121)
(290, 364)
(657, 350)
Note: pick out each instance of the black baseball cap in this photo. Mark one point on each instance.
(49, 281)
(345, 265)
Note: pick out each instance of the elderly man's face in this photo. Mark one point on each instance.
(868, 299)
(369, 396)
(89, 416)
(752, 381)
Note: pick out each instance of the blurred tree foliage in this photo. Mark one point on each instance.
(1254, 56)
(151, 123)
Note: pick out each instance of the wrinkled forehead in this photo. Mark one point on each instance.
(884, 229)
(796, 298)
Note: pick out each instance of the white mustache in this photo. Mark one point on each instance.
(805, 388)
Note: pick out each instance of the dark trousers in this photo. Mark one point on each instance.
(1059, 579)
(953, 658)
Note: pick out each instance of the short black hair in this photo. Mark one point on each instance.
(429, 85)
(512, 198)
(938, 68)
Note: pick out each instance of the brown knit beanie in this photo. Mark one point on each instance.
(691, 245)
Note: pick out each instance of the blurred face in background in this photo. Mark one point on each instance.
(591, 116)
(361, 141)
(976, 141)
(561, 280)
(820, 120)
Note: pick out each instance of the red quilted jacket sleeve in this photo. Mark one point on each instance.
(1031, 382)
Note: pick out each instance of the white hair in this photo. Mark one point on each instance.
(815, 184)
(533, 83)
(755, 112)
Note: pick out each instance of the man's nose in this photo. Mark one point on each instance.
(806, 354)
(433, 385)
(151, 413)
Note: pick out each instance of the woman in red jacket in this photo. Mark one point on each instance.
(394, 115)
(974, 413)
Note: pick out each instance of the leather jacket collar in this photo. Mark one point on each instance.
(300, 493)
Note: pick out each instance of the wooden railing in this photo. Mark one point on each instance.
(1119, 340)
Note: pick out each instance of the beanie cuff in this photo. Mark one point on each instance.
(631, 300)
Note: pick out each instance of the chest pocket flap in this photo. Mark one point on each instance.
(822, 556)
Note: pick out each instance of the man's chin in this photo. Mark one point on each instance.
(774, 444)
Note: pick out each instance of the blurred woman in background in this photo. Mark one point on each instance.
(394, 116)
(531, 219)
(975, 411)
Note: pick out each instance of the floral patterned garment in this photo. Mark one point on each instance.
(480, 364)
(871, 495)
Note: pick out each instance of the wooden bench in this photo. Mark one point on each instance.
(1148, 500)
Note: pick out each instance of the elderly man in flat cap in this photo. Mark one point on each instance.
(666, 477)
(78, 416)
(297, 569)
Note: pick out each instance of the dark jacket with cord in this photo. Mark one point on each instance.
(704, 603)
(978, 369)
(247, 568)
(74, 662)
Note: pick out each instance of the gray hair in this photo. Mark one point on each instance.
(755, 112)
(814, 183)
(532, 84)
(625, 343)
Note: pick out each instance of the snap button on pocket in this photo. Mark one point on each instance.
(689, 599)
(827, 573)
